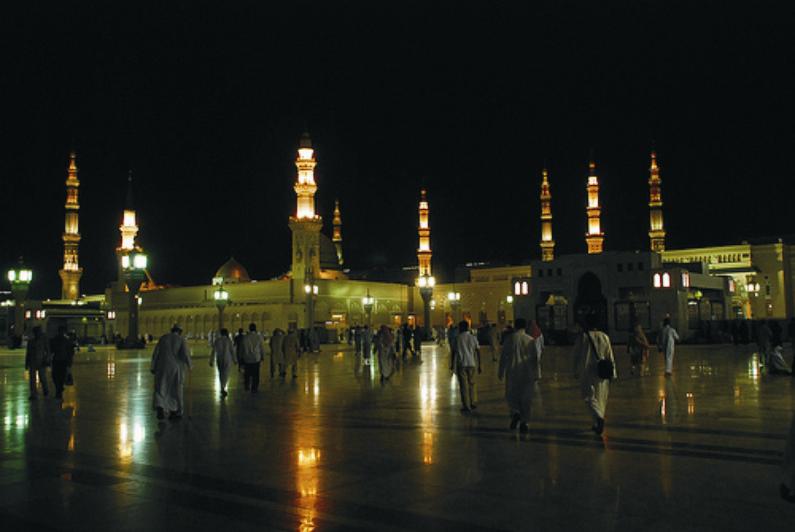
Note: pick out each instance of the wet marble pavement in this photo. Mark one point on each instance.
(336, 449)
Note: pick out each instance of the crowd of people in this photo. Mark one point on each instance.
(518, 349)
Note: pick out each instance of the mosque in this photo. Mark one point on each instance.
(691, 286)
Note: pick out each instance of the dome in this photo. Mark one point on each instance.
(328, 254)
(232, 272)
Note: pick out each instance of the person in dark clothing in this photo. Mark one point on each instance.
(407, 346)
(776, 331)
(417, 335)
(63, 353)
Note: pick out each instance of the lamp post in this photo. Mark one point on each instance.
(367, 302)
(134, 267)
(426, 284)
(20, 279)
(455, 303)
(221, 298)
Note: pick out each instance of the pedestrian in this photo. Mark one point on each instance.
(494, 341)
(417, 337)
(63, 354)
(452, 334)
(591, 350)
(407, 335)
(385, 344)
(223, 356)
(277, 352)
(292, 350)
(170, 362)
(367, 344)
(37, 358)
(253, 355)
(466, 360)
(520, 368)
(357, 339)
(666, 343)
(638, 349)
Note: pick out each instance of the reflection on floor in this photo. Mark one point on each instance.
(337, 449)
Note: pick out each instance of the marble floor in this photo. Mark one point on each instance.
(336, 449)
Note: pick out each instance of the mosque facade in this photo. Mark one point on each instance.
(691, 286)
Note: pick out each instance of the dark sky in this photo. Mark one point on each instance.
(206, 104)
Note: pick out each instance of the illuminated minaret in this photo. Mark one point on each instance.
(71, 272)
(128, 227)
(594, 237)
(424, 231)
(547, 244)
(336, 236)
(656, 230)
(305, 224)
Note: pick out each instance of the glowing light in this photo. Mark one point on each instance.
(657, 281)
(666, 280)
(308, 457)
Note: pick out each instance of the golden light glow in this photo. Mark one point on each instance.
(305, 186)
(71, 272)
(594, 237)
(547, 244)
(424, 232)
(128, 230)
(656, 229)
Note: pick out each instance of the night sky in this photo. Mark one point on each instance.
(206, 103)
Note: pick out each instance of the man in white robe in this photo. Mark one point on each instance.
(223, 356)
(591, 347)
(170, 362)
(666, 343)
(292, 350)
(520, 366)
(367, 344)
(277, 352)
(253, 353)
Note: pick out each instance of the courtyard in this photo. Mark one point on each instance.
(336, 449)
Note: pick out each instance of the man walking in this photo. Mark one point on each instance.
(667, 344)
(253, 355)
(37, 358)
(292, 350)
(466, 359)
(170, 362)
(63, 353)
(223, 356)
(520, 366)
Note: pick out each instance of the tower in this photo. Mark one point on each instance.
(305, 224)
(656, 230)
(336, 236)
(547, 244)
(594, 237)
(128, 228)
(424, 231)
(71, 272)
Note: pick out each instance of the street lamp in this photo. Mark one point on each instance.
(367, 302)
(134, 266)
(455, 302)
(221, 298)
(20, 279)
(426, 284)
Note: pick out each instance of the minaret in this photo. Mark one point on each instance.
(424, 231)
(305, 224)
(656, 230)
(547, 244)
(71, 272)
(594, 237)
(336, 236)
(128, 229)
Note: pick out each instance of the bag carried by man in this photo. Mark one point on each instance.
(604, 366)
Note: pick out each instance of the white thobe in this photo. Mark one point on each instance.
(223, 356)
(595, 390)
(386, 357)
(667, 344)
(520, 365)
(170, 362)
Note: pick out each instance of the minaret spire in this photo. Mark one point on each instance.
(547, 244)
(71, 272)
(424, 232)
(128, 227)
(336, 237)
(594, 237)
(305, 224)
(656, 228)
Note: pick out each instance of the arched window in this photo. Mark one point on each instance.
(525, 288)
(686, 279)
(666, 280)
(657, 282)
(517, 288)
